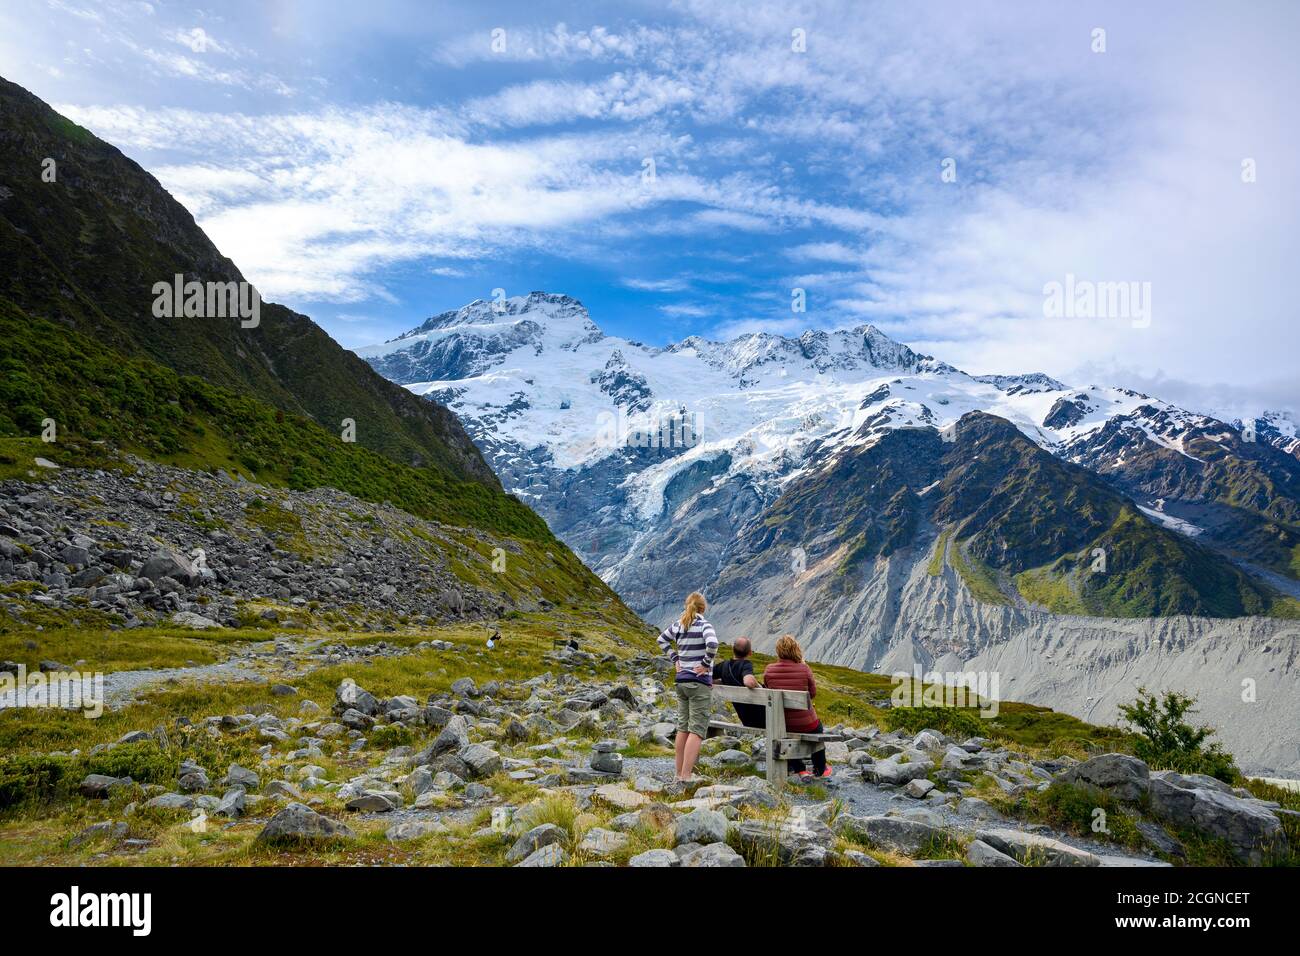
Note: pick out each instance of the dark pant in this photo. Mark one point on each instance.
(818, 757)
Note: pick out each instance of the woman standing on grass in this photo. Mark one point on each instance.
(789, 672)
(691, 644)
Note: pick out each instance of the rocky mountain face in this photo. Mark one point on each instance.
(882, 504)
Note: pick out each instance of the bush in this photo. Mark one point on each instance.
(391, 735)
(1166, 741)
(32, 778)
(144, 762)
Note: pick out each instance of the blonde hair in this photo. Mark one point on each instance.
(788, 649)
(695, 604)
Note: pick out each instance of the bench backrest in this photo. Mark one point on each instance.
(789, 699)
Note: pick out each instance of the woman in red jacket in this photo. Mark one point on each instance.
(789, 672)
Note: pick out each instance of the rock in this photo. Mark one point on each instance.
(171, 801)
(802, 843)
(700, 826)
(607, 762)
(1159, 840)
(621, 797)
(893, 770)
(714, 854)
(1032, 849)
(454, 736)
(655, 858)
(96, 786)
(977, 809)
(108, 830)
(232, 804)
(550, 855)
(918, 788)
(370, 803)
(194, 621)
(297, 823)
(909, 837)
(979, 853)
(1253, 832)
(535, 839)
(732, 758)
(169, 564)
(601, 842)
(464, 687)
(1122, 776)
(194, 781)
(237, 776)
(412, 830)
(481, 760)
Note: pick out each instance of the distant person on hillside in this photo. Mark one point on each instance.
(739, 672)
(789, 672)
(691, 644)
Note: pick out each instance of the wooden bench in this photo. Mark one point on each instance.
(780, 746)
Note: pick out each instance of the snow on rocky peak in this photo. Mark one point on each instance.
(541, 388)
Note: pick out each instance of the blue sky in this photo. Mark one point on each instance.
(374, 163)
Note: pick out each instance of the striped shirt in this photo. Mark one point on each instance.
(697, 647)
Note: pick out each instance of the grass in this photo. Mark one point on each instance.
(978, 577)
(419, 673)
(108, 651)
(97, 394)
(1082, 810)
(935, 567)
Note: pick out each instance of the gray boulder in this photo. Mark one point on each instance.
(534, 840)
(900, 834)
(1032, 849)
(805, 843)
(237, 776)
(1122, 776)
(481, 760)
(700, 826)
(96, 786)
(550, 855)
(1253, 832)
(652, 858)
(297, 823)
(980, 853)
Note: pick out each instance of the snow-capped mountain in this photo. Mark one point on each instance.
(548, 396)
(536, 380)
(884, 505)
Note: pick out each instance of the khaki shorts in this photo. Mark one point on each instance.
(694, 707)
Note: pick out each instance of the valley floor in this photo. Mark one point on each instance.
(299, 747)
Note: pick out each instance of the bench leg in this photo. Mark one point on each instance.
(774, 731)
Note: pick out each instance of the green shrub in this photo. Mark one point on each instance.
(32, 778)
(391, 735)
(1166, 741)
(144, 762)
